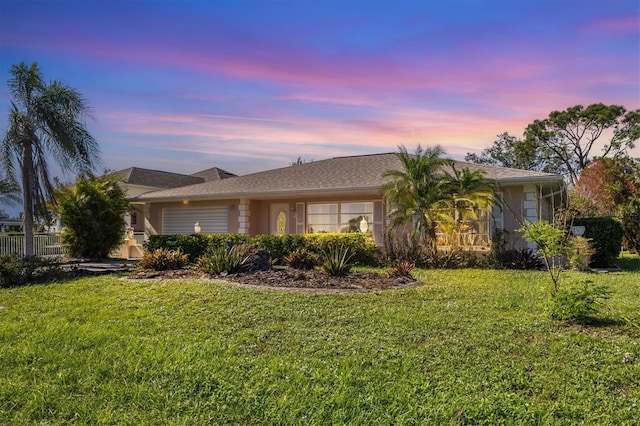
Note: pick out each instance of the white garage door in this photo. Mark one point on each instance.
(180, 220)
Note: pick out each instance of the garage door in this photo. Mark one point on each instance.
(180, 220)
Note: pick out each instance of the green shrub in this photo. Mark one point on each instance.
(605, 234)
(17, 270)
(630, 215)
(502, 256)
(579, 253)
(522, 258)
(335, 260)
(193, 245)
(577, 304)
(93, 212)
(220, 261)
(398, 249)
(363, 249)
(302, 259)
(279, 246)
(163, 259)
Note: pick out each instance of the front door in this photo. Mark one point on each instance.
(279, 218)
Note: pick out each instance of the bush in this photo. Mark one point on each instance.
(605, 234)
(365, 250)
(401, 268)
(630, 215)
(335, 260)
(579, 253)
(523, 259)
(279, 246)
(163, 259)
(577, 304)
(17, 270)
(398, 249)
(194, 245)
(220, 261)
(93, 212)
(302, 259)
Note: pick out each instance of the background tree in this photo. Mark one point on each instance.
(569, 136)
(525, 154)
(93, 213)
(563, 142)
(611, 187)
(45, 121)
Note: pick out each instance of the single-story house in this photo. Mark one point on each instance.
(340, 194)
(137, 181)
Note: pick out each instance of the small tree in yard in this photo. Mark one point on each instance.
(574, 304)
(92, 212)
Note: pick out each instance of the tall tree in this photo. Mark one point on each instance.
(570, 135)
(45, 120)
(564, 142)
(9, 192)
(509, 151)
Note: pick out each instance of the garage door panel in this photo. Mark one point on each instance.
(213, 220)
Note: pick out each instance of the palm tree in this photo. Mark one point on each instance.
(414, 190)
(9, 191)
(424, 192)
(44, 120)
(466, 194)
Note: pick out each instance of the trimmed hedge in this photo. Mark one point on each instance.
(365, 250)
(193, 245)
(606, 236)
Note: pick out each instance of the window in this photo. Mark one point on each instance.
(340, 217)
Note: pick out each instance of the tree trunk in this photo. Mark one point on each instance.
(27, 196)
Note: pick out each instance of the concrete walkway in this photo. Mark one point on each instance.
(109, 266)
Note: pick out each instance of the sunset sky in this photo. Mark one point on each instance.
(251, 85)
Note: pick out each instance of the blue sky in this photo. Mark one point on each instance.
(251, 85)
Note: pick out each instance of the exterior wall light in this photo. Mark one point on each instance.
(197, 228)
(578, 231)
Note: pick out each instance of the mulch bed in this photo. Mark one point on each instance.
(292, 279)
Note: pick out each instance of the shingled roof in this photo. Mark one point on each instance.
(213, 173)
(157, 178)
(356, 174)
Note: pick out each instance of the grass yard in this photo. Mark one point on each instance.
(470, 347)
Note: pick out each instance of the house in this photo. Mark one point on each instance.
(340, 194)
(137, 181)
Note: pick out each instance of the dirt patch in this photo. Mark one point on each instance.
(293, 279)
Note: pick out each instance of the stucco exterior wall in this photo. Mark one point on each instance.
(153, 213)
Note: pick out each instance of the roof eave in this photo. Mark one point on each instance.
(520, 180)
(258, 195)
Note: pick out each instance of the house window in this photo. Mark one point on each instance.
(322, 218)
(134, 218)
(339, 217)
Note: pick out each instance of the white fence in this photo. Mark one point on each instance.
(45, 245)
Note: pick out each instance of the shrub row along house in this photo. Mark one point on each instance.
(342, 194)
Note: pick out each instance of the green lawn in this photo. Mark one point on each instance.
(470, 347)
